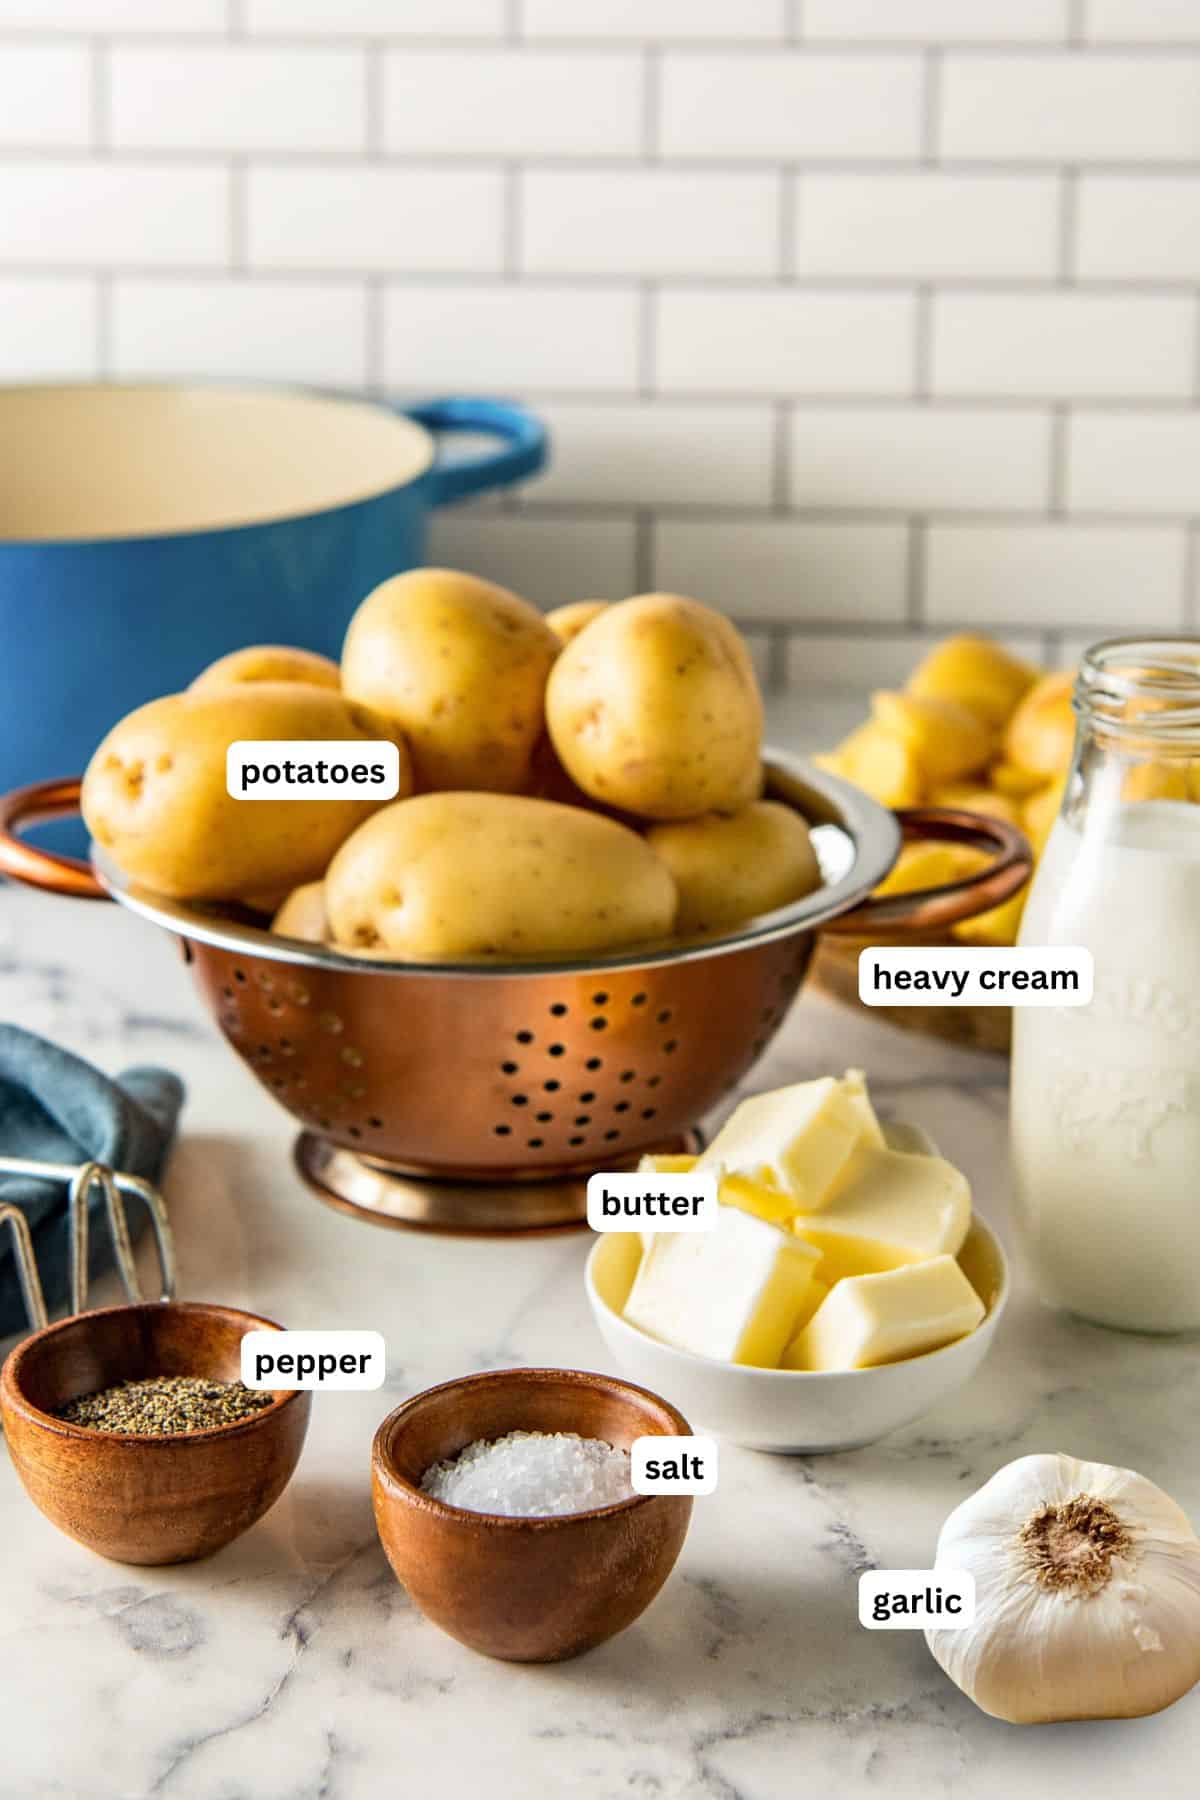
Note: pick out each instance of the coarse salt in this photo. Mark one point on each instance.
(532, 1474)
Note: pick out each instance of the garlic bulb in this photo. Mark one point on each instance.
(1087, 1594)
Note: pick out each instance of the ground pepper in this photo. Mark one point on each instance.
(166, 1405)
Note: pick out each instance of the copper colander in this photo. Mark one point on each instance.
(469, 1097)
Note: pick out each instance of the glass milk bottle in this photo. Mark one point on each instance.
(1106, 1097)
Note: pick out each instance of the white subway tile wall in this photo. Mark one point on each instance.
(865, 319)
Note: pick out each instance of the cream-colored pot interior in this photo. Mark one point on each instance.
(93, 462)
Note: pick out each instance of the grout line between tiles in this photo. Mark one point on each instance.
(652, 104)
(239, 230)
(512, 221)
(923, 344)
(781, 458)
(647, 339)
(1059, 437)
(1068, 225)
(931, 107)
(914, 597)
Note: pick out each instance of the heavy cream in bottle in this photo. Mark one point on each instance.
(1106, 1097)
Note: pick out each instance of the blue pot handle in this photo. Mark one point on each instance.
(522, 449)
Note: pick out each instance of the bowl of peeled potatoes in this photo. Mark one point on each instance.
(977, 729)
(573, 926)
(845, 1290)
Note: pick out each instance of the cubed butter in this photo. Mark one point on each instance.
(734, 1293)
(666, 1165)
(871, 1319)
(769, 1203)
(797, 1139)
(887, 1209)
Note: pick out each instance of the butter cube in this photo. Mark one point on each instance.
(871, 1319)
(888, 1208)
(735, 1293)
(663, 1164)
(796, 1139)
(755, 1197)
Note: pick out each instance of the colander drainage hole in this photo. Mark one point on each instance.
(670, 1047)
(556, 1050)
(584, 1119)
(239, 975)
(552, 1087)
(227, 992)
(610, 1135)
(638, 1000)
(375, 1122)
(664, 1017)
(653, 1080)
(510, 1068)
(536, 1143)
(621, 1106)
(575, 1142)
(649, 1112)
(543, 1118)
(558, 1009)
(626, 1075)
(599, 999)
(524, 1037)
(502, 1130)
(520, 1099)
(599, 1023)
(594, 1062)
(586, 1098)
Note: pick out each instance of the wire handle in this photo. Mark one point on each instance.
(114, 1184)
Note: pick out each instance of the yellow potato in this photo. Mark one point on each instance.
(655, 709)
(465, 876)
(461, 666)
(930, 865)
(267, 662)
(977, 799)
(1041, 733)
(566, 622)
(947, 740)
(976, 673)
(154, 794)
(880, 764)
(732, 867)
(303, 914)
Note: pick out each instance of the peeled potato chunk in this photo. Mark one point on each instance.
(975, 673)
(947, 740)
(972, 798)
(881, 765)
(921, 866)
(1041, 733)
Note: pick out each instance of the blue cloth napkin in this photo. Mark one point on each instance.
(58, 1108)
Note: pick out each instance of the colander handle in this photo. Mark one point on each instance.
(932, 909)
(42, 868)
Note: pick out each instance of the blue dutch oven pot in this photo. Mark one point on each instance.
(146, 530)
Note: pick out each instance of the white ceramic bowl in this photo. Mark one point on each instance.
(795, 1411)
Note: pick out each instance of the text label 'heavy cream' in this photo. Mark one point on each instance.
(646, 1201)
(673, 1465)
(314, 1359)
(1058, 975)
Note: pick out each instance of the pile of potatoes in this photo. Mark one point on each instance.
(977, 728)
(579, 782)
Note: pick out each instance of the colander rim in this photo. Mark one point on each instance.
(824, 799)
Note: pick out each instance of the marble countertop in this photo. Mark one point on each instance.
(292, 1665)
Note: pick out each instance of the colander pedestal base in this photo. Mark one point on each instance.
(387, 1196)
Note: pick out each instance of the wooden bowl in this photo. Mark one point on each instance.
(525, 1589)
(152, 1499)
